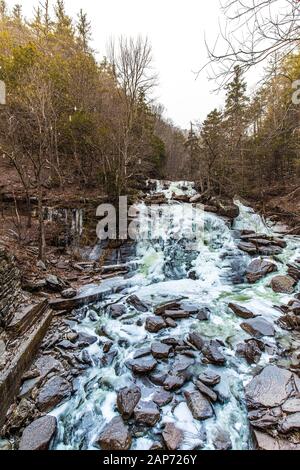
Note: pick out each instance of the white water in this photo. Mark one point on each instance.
(165, 263)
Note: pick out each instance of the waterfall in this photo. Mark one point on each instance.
(208, 273)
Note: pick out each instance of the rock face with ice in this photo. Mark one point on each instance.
(187, 347)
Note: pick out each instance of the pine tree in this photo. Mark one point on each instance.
(17, 13)
(84, 29)
(63, 21)
(3, 10)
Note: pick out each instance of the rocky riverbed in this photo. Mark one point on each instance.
(193, 348)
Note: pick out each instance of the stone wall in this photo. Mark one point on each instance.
(9, 286)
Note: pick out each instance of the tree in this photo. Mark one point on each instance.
(212, 151)
(84, 30)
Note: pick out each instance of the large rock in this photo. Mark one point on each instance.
(292, 405)
(222, 440)
(259, 268)
(258, 327)
(154, 324)
(137, 303)
(265, 419)
(213, 354)
(241, 311)
(290, 423)
(199, 406)
(143, 365)
(206, 391)
(251, 350)
(116, 310)
(196, 340)
(160, 350)
(175, 380)
(272, 387)
(127, 400)
(162, 398)
(115, 436)
(172, 436)
(147, 412)
(264, 441)
(38, 435)
(54, 391)
(283, 284)
(208, 377)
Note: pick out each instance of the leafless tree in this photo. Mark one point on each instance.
(253, 31)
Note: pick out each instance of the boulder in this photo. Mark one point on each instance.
(143, 365)
(206, 391)
(162, 398)
(222, 440)
(147, 412)
(199, 406)
(272, 387)
(292, 405)
(251, 350)
(154, 324)
(283, 284)
(196, 340)
(170, 323)
(174, 380)
(248, 247)
(264, 441)
(127, 399)
(290, 423)
(115, 436)
(258, 269)
(213, 354)
(172, 436)
(160, 350)
(208, 377)
(69, 293)
(137, 303)
(265, 419)
(258, 327)
(53, 392)
(116, 310)
(176, 314)
(182, 363)
(203, 314)
(39, 434)
(161, 308)
(241, 311)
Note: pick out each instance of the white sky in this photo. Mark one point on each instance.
(176, 30)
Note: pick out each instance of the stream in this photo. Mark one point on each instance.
(210, 274)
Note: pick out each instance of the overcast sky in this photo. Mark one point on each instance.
(176, 29)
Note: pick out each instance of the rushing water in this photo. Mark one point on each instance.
(166, 262)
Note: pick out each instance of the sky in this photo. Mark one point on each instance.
(176, 30)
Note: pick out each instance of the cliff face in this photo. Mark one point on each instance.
(9, 286)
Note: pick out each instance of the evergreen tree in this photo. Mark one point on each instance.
(84, 29)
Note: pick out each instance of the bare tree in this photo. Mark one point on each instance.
(253, 31)
(131, 61)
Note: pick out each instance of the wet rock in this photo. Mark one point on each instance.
(258, 269)
(54, 283)
(162, 398)
(272, 387)
(197, 340)
(290, 322)
(127, 399)
(248, 247)
(283, 284)
(161, 308)
(196, 198)
(154, 324)
(176, 314)
(210, 378)
(85, 340)
(241, 311)
(265, 419)
(290, 423)
(292, 405)
(142, 353)
(191, 308)
(258, 327)
(158, 378)
(222, 440)
(109, 358)
(213, 354)
(28, 386)
(251, 350)
(115, 436)
(137, 303)
(182, 363)
(69, 293)
(65, 344)
(107, 345)
(160, 350)
(264, 441)
(147, 412)
(206, 391)
(228, 210)
(116, 310)
(199, 406)
(203, 314)
(53, 392)
(38, 435)
(175, 380)
(172, 436)
(143, 365)
(294, 270)
(170, 322)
